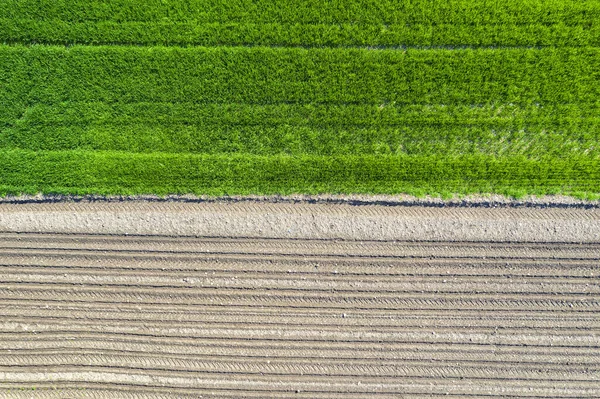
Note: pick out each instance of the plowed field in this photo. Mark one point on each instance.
(92, 314)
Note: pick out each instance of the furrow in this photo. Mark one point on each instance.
(542, 338)
(294, 247)
(416, 370)
(49, 340)
(404, 354)
(406, 319)
(302, 299)
(234, 385)
(448, 284)
(307, 264)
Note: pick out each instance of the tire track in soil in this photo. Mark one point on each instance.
(88, 314)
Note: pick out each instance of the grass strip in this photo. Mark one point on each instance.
(531, 141)
(81, 172)
(49, 74)
(304, 22)
(317, 115)
(560, 130)
(571, 12)
(295, 34)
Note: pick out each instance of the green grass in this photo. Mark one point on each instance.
(262, 75)
(304, 23)
(297, 129)
(110, 172)
(239, 97)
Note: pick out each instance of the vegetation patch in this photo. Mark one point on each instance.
(240, 97)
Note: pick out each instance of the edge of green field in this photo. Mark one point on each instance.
(239, 97)
(118, 173)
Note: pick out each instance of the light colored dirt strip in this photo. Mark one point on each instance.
(313, 221)
(285, 247)
(74, 388)
(323, 267)
(260, 313)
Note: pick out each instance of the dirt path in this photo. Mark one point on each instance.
(306, 221)
(308, 301)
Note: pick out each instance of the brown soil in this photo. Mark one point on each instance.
(254, 300)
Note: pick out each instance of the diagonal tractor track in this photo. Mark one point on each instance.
(266, 300)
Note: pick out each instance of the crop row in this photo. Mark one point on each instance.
(297, 34)
(431, 12)
(81, 172)
(560, 130)
(573, 115)
(533, 142)
(259, 75)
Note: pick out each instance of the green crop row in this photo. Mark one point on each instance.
(569, 115)
(533, 142)
(304, 22)
(561, 130)
(430, 12)
(296, 34)
(80, 172)
(46, 74)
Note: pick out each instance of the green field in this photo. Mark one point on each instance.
(238, 97)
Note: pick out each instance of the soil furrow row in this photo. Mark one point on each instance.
(405, 311)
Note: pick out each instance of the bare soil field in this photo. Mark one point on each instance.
(267, 300)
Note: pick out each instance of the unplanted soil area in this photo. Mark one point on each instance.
(107, 311)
